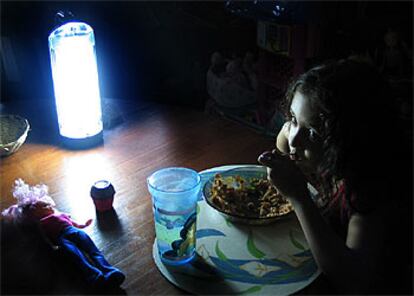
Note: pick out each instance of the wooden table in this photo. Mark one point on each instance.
(149, 138)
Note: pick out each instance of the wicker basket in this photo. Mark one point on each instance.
(13, 133)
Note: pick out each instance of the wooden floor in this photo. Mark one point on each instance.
(149, 138)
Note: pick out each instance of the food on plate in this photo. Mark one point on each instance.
(250, 198)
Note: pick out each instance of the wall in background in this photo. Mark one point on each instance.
(162, 50)
(152, 50)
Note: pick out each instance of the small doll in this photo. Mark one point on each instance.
(249, 67)
(235, 74)
(218, 63)
(34, 205)
(395, 55)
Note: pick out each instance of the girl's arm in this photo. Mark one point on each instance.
(351, 265)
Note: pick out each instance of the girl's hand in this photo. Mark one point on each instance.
(285, 175)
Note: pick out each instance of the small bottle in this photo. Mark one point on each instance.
(102, 193)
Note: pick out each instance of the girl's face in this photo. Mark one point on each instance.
(304, 138)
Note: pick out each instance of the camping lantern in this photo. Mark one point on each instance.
(75, 81)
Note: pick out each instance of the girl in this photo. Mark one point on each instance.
(342, 136)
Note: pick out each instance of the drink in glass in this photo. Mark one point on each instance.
(174, 193)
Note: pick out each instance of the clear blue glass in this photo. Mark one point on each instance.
(174, 193)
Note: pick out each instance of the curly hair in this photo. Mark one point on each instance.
(357, 112)
(27, 198)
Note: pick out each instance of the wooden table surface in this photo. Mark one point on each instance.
(150, 137)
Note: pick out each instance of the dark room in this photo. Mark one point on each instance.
(206, 147)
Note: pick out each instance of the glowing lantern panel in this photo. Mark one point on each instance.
(75, 80)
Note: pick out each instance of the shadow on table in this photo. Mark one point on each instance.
(184, 275)
(30, 266)
(109, 221)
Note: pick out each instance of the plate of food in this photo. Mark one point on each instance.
(245, 195)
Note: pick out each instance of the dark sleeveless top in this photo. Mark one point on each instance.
(337, 211)
(397, 260)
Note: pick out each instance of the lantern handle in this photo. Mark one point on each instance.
(63, 16)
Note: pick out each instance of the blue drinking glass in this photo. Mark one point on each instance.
(174, 193)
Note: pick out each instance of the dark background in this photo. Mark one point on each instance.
(150, 49)
(161, 50)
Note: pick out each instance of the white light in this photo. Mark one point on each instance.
(75, 80)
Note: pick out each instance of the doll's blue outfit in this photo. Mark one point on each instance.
(61, 230)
